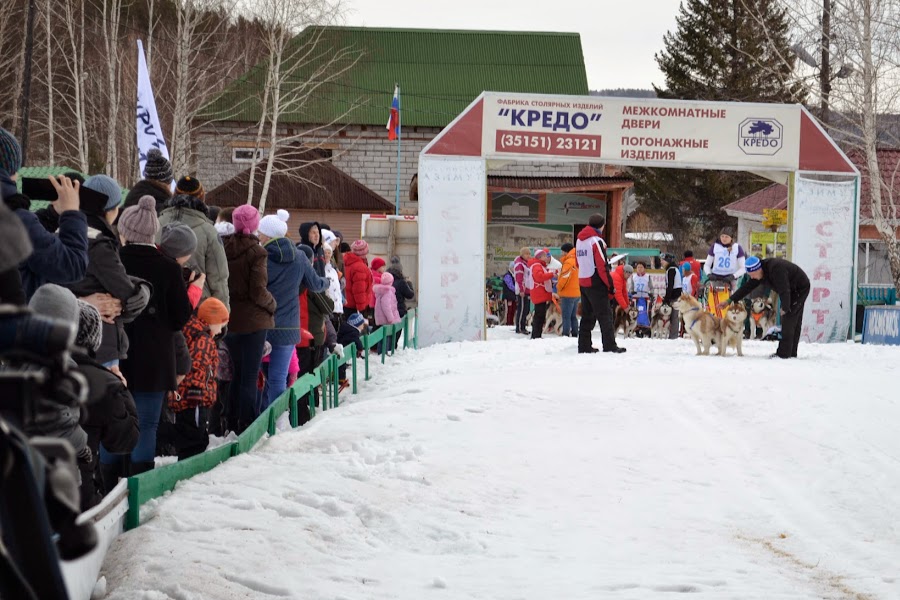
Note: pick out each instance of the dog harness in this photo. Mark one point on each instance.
(695, 321)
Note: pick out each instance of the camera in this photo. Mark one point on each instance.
(39, 501)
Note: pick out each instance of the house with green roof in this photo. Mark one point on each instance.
(439, 72)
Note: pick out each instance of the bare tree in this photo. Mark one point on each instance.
(299, 67)
(72, 49)
(857, 84)
(111, 12)
(48, 40)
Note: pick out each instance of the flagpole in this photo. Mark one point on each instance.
(399, 135)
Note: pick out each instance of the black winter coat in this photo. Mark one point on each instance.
(111, 420)
(787, 279)
(403, 290)
(106, 275)
(145, 187)
(150, 366)
(348, 334)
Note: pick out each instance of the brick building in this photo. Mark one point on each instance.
(440, 72)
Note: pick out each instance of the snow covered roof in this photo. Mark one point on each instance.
(650, 236)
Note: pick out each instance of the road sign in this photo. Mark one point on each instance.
(773, 217)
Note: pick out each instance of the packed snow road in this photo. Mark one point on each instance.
(519, 469)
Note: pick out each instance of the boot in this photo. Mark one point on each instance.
(109, 476)
(140, 467)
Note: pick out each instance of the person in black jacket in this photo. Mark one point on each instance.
(150, 366)
(792, 286)
(673, 290)
(402, 286)
(111, 413)
(106, 282)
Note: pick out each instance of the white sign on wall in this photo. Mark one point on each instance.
(823, 246)
(452, 234)
(667, 133)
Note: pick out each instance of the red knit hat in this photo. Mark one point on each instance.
(213, 312)
(377, 263)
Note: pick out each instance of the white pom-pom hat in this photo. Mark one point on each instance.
(275, 226)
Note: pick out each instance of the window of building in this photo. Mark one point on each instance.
(246, 155)
(874, 264)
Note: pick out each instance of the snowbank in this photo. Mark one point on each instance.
(518, 469)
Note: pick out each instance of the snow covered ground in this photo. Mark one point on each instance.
(519, 469)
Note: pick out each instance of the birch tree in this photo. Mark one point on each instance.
(301, 62)
(72, 50)
(862, 41)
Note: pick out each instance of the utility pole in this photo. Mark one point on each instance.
(825, 65)
(26, 79)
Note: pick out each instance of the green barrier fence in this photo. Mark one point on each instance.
(153, 484)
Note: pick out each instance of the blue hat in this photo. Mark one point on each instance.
(355, 320)
(752, 264)
(107, 186)
(686, 268)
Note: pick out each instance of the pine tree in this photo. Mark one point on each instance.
(722, 50)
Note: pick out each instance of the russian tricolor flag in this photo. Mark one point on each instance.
(393, 125)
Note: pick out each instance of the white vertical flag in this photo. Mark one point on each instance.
(149, 133)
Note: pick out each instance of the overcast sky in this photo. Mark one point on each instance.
(619, 37)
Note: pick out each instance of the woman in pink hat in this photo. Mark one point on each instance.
(252, 314)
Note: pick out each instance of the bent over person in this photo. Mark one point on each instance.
(792, 286)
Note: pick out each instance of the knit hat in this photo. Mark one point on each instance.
(359, 247)
(158, 167)
(729, 231)
(138, 224)
(190, 186)
(177, 240)
(245, 219)
(107, 186)
(566, 248)
(213, 312)
(628, 269)
(686, 268)
(90, 328)
(56, 302)
(328, 236)
(275, 226)
(10, 153)
(387, 279)
(395, 261)
(752, 264)
(377, 263)
(355, 320)
(540, 251)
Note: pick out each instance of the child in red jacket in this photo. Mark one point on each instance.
(198, 391)
(542, 290)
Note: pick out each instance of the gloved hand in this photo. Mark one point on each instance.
(339, 350)
(138, 301)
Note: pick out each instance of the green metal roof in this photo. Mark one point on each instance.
(439, 71)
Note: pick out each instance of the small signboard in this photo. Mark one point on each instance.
(881, 325)
(774, 217)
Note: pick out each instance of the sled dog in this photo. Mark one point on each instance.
(703, 327)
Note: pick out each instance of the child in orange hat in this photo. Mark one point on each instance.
(198, 391)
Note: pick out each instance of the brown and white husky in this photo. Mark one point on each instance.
(702, 326)
(732, 328)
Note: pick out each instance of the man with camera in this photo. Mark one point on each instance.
(56, 258)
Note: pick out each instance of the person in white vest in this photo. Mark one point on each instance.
(725, 261)
(673, 290)
(596, 288)
(640, 285)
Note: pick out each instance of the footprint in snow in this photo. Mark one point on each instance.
(475, 410)
(453, 418)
